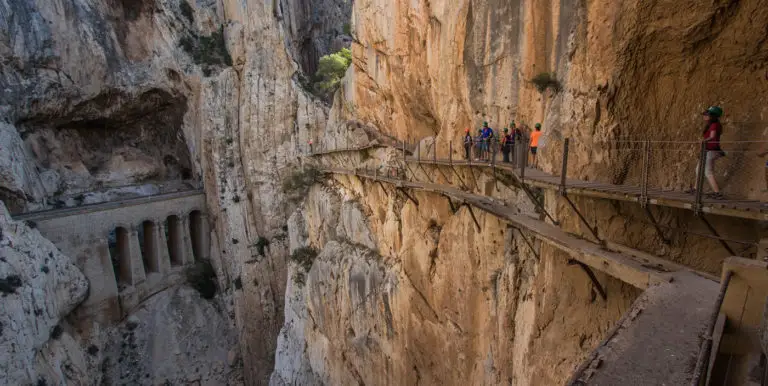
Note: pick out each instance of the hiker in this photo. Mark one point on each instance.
(486, 134)
(507, 142)
(712, 132)
(467, 145)
(479, 145)
(535, 143)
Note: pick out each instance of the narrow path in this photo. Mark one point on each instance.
(640, 272)
(748, 209)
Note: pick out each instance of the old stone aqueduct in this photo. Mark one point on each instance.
(129, 250)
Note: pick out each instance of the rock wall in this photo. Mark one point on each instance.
(98, 95)
(39, 286)
(628, 70)
(403, 294)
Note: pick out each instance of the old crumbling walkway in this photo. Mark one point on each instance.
(640, 272)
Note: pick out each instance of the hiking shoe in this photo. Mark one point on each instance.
(716, 196)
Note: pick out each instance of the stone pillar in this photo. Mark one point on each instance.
(187, 253)
(131, 264)
(205, 237)
(162, 258)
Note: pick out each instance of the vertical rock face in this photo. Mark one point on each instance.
(39, 286)
(629, 70)
(100, 95)
(403, 294)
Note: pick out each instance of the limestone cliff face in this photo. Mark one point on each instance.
(99, 95)
(629, 70)
(402, 294)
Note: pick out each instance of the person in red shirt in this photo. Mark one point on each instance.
(712, 132)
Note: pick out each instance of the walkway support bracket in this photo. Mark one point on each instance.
(405, 192)
(442, 173)
(584, 221)
(717, 235)
(450, 202)
(463, 184)
(598, 287)
(564, 172)
(659, 231)
(472, 213)
(530, 244)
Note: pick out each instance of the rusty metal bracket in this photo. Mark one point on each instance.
(592, 277)
(463, 185)
(450, 202)
(584, 220)
(413, 175)
(382, 187)
(425, 173)
(530, 244)
(415, 201)
(659, 231)
(443, 174)
(717, 235)
(472, 213)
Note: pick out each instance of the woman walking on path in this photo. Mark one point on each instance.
(712, 132)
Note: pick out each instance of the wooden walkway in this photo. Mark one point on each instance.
(638, 270)
(347, 149)
(753, 210)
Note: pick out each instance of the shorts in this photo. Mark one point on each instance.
(533, 150)
(709, 163)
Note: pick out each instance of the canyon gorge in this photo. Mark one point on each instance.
(181, 204)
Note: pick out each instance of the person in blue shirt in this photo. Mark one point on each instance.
(487, 136)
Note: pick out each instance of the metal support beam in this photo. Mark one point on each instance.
(714, 232)
(564, 172)
(425, 173)
(415, 201)
(472, 213)
(644, 179)
(450, 202)
(461, 180)
(592, 277)
(530, 244)
(659, 231)
(584, 220)
(382, 187)
(443, 174)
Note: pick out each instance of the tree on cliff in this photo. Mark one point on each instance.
(331, 70)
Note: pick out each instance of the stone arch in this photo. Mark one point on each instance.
(148, 242)
(196, 233)
(174, 238)
(120, 252)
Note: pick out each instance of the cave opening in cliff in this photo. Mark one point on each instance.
(113, 140)
(174, 238)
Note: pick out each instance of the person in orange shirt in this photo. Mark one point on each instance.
(535, 143)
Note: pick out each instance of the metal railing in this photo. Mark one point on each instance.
(641, 168)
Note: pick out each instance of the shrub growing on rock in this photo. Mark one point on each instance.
(296, 185)
(202, 277)
(304, 257)
(331, 70)
(207, 51)
(546, 80)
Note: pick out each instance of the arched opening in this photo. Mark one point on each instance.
(196, 233)
(120, 252)
(148, 244)
(173, 236)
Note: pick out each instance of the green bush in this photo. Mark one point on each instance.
(546, 80)
(296, 185)
(347, 29)
(202, 277)
(331, 70)
(304, 257)
(207, 51)
(261, 244)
